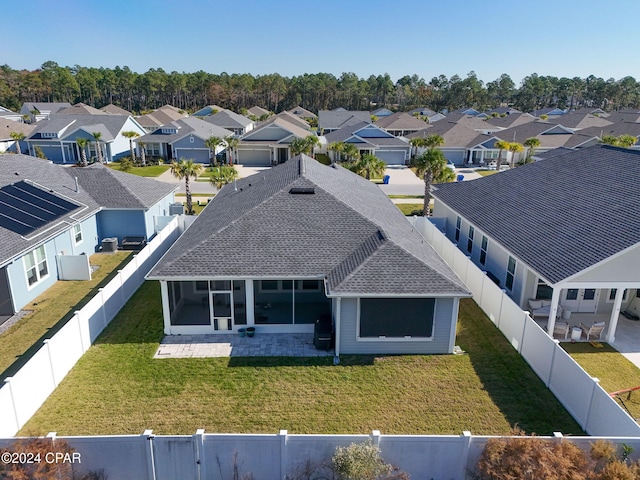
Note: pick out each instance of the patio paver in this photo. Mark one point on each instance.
(233, 345)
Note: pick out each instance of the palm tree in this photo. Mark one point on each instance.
(304, 145)
(432, 167)
(82, 146)
(212, 143)
(18, 137)
(143, 153)
(97, 136)
(231, 143)
(338, 149)
(501, 145)
(531, 143)
(222, 175)
(515, 147)
(416, 143)
(186, 169)
(131, 135)
(369, 166)
(351, 152)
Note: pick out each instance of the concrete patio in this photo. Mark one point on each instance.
(233, 345)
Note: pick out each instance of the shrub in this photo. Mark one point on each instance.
(362, 461)
(125, 164)
(521, 457)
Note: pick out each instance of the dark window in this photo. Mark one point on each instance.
(202, 286)
(612, 294)
(511, 273)
(269, 285)
(470, 239)
(396, 317)
(483, 250)
(221, 285)
(458, 221)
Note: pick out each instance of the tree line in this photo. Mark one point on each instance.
(141, 92)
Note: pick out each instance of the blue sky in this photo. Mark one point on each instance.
(292, 37)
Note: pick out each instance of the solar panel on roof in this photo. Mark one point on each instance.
(25, 208)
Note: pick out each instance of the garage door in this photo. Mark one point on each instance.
(391, 157)
(253, 158)
(198, 156)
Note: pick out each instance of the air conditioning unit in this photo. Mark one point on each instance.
(176, 208)
(110, 244)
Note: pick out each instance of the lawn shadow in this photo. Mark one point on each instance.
(23, 358)
(345, 360)
(513, 386)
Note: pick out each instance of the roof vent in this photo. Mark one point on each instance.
(302, 190)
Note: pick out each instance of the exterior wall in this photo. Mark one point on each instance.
(121, 223)
(439, 343)
(120, 146)
(52, 151)
(160, 209)
(197, 150)
(497, 256)
(21, 292)
(270, 133)
(622, 268)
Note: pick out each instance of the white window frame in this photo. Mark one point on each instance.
(36, 265)
(77, 232)
(472, 231)
(395, 339)
(458, 225)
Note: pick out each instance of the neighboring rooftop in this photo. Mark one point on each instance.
(560, 215)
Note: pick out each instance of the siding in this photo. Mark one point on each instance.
(121, 223)
(22, 294)
(159, 209)
(437, 345)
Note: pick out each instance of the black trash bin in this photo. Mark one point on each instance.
(323, 332)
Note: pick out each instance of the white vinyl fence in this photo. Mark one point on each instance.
(596, 412)
(275, 456)
(25, 392)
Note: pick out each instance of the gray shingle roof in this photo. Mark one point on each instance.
(384, 138)
(333, 119)
(113, 189)
(400, 121)
(99, 187)
(191, 125)
(560, 215)
(107, 124)
(228, 119)
(347, 231)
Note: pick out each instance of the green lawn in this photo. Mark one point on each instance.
(409, 209)
(148, 171)
(486, 173)
(59, 301)
(614, 370)
(118, 388)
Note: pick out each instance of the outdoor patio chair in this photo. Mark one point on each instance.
(561, 329)
(592, 332)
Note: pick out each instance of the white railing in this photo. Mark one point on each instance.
(582, 396)
(25, 392)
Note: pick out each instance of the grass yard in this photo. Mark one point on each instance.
(148, 171)
(59, 301)
(118, 388)
(613, 369)
(486, 173)
(409, 209)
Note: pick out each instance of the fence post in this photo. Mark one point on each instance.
(7, 381)
(499, 319)
(283, 452)
(198, 440)
(124, 297)
(53, 373)
(596, 382)
(375, 437)
(102, 307)
(466, 435)
(77, 317)
(553, 359)
(524, 330)
(151, 462)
